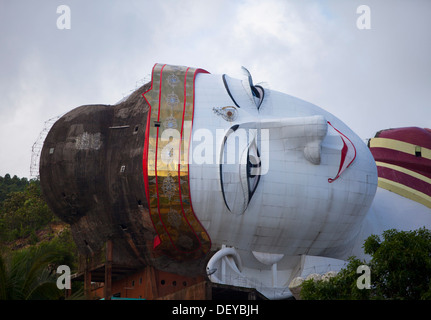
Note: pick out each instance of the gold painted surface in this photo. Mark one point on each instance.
(172, 101)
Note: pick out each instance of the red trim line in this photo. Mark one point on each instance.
(147, 134)
(157, 239)
(155, 160)
(197, 71)
(179, 170)
(343, 154)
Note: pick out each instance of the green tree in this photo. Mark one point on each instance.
(401, 264)
(8, 185)
(400, 267)
(24, 212)
(341, 287)
(29, 274)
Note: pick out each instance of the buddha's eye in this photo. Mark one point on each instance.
(258, 94)
(241, 91)
(257, 91)
(240, 168)
(253, 168)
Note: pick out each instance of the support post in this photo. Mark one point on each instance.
(274, 275)
(108, 271)
(87, 277)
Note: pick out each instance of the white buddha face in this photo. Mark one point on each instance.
(272, 173)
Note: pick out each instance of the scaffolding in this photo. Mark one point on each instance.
(36, 149)
(139, 83)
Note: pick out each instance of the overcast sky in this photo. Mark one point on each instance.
(372, 79)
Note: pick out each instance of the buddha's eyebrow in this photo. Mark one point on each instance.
(256, 90)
